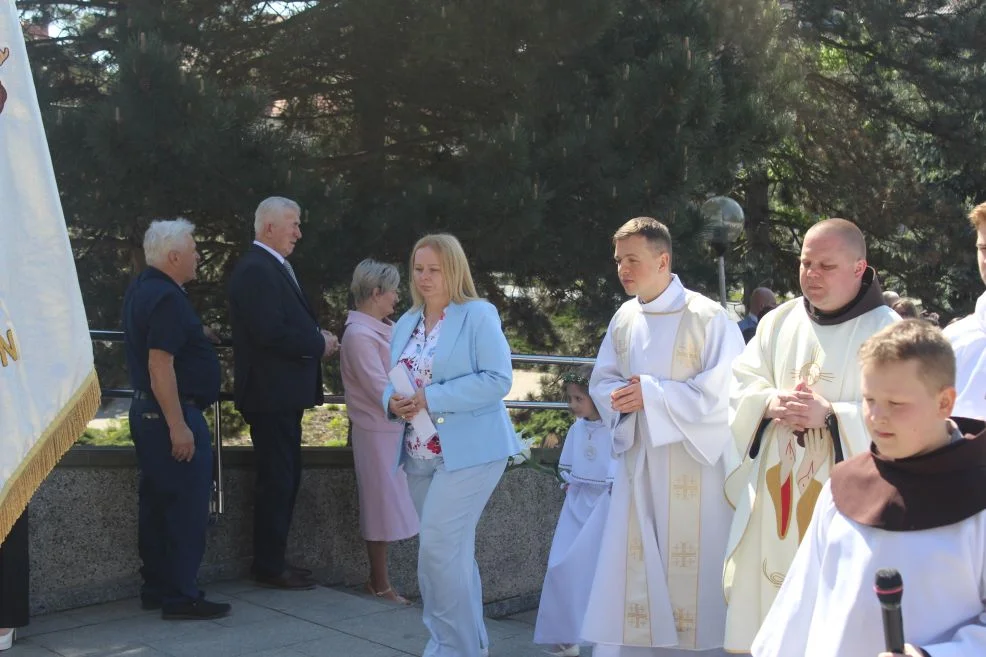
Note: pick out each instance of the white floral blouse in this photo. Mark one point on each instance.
(417, 357)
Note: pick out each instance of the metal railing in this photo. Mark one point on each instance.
(217, 502)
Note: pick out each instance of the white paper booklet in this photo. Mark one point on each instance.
(403, 384)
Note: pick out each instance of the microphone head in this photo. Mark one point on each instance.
(889, 586)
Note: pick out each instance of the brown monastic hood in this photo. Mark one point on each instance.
(870, 296)
(932, 490)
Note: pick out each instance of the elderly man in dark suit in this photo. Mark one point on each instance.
(277, 348)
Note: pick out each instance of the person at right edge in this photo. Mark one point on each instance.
(914, 502)
(795, 412)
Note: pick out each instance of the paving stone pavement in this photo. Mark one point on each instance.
(264, 623)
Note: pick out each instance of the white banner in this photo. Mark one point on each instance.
(48, 387)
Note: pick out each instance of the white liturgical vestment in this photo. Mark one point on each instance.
(587, 465)
(827, 607)
(968, 338)
(778, 479)
(657, 580)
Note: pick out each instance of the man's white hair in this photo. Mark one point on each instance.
(271, 209)
(163, 237)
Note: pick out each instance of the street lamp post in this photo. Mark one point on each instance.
(724, 223)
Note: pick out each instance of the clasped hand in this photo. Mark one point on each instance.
(799, 409)
(629, 398)
(331, 343)
(407, 407)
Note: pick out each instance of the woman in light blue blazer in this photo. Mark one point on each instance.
(452, 345)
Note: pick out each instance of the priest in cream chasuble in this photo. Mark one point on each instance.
(795, 412)
(661, 383)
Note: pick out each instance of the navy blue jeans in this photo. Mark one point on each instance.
(173, 500)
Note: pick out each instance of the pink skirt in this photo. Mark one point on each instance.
(386, 512)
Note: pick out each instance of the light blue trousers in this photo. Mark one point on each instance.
(449, 505)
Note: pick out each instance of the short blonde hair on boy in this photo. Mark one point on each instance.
(455, 268)
(917, 340)
(978, 216)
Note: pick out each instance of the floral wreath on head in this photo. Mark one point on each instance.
(574, 378)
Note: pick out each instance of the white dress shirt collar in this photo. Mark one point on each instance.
(271, 251)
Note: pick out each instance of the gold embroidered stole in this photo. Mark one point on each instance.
(684, 489)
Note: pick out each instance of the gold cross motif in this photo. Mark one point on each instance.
(811, 372)
(637, 615)
(684, 555)
(637, 550)
(685, 488)
(684, 621)
(688, 352)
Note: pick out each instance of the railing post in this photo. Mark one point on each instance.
(216, 502)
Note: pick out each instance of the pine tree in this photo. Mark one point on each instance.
(531, 129)
(890, 134)
(672, 105)
(138, 132)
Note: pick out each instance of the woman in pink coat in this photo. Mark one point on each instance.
(386, 512)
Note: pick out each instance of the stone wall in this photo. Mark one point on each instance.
(84, 530)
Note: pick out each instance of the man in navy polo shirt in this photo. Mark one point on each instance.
(174, 372)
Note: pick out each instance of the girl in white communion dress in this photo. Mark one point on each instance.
(586, 465)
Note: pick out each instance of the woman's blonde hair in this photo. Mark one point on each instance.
(455, 268)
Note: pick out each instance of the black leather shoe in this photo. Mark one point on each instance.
(200, 609)
(287, 581)
(149, 602)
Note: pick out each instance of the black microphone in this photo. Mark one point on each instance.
(889, 589)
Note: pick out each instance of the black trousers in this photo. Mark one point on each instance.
(277, 453)
(173, 500)
(15, 576)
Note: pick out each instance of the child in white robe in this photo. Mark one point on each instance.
(916, 503)
(586, 465)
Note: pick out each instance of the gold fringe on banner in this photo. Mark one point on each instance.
(56, 439)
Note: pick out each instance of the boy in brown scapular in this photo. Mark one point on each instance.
(916, 503)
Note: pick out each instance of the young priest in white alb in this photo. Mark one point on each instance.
(915, 502)
(661, 383)
(968, 338)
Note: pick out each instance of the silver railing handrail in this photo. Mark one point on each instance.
(529, 359)
(521, 405)
(549, 359)
(217, 501)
